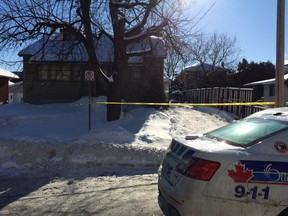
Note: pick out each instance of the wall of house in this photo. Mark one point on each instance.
(15, 97)
(268, 97)
(39, 87)
(3, 90)
(203, 79)
(154, 67)
(145, 81)
(189, 79)
(16, 92)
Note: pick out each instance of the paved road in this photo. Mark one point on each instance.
(125, 194)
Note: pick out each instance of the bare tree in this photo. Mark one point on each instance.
(178, 34)
(24, 22)
(215, 49)
(124, 22)
(173, 62)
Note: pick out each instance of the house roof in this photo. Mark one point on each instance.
(6, 73)
(265, 82)
(202, 67)
(56, 48)
(11, 84)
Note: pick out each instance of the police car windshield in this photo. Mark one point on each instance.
(248, 131)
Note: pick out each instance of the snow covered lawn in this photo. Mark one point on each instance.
(53, 138)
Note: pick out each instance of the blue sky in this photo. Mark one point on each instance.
(253, 22)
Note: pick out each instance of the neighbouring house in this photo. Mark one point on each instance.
(202, 76)
(54, 69)
(266, 89)
(5, 76)
(16, 92)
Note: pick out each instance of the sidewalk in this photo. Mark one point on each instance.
(101, 195)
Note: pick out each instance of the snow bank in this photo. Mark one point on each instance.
(55, 138)
(44, 158)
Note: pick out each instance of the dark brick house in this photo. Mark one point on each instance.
(54, 69)
(202, 76)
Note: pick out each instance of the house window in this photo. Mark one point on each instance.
(76, 72)
(60, 72)
(271, 90)
(63, 72)
(43, 72)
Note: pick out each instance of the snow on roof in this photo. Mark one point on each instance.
(9, 74)
(202, 67)
(56, 48)
(11, 84)
(155, 44)
(265, 82)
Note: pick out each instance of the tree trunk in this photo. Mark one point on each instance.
(116, 90)
(113, 110)
(115, 93)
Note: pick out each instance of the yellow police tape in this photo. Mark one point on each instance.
(190, 104)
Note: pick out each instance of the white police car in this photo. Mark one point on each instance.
(239, 169)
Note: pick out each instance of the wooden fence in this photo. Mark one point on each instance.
(224, 95)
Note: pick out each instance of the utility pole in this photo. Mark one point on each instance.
(279, 84)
